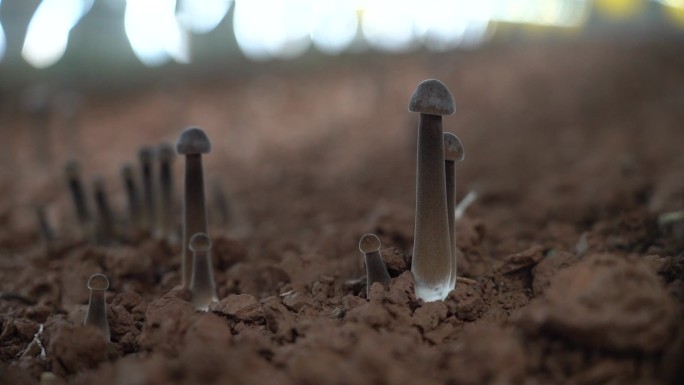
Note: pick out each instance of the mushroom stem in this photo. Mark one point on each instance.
(166, 226)
(105, 223)
(135, 216)
(376, 271)
(194, 209)
(432, 260)
(46, 231)
(453, 151)
(450, 178)
(73, 172)
(202, 286)
(97, 308)
(145, 155)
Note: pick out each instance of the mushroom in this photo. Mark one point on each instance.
(221, 204)
(192, 143)
(97, 308)
(376, 271)
(202, 286)
(46, 230)
(135, 215)
(73, 174)
(453, 151)
(166, 224)
(146, 154)
(432, 260)
(105, 224)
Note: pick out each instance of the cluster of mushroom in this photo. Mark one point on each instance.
(197, 275)
(434, 264)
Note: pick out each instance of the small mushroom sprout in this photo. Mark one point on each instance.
(192, 143)
(97, 308)
(202, 286)
(376, 271)
(432, 259)
(453, 152)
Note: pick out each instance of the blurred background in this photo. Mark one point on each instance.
(115, 42)
(564, 106)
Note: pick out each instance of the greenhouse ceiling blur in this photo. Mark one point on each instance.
(160, 31)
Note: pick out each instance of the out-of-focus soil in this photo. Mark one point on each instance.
(574, 149)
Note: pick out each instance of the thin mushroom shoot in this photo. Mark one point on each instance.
(135, 215)
(97, 306)
(166, 224)
(453, 152)
(78, 198)
(432, 259)
(202, 286)
(146, 155)
(192, 143)
(376, 271)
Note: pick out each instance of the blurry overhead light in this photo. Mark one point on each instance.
(48, 31)
(445, 24)
(388, 24)
(554, 13)
(154, 32)
(333, 25)
(201, 16)
(3, 40)
(620, 9)
(267, 29)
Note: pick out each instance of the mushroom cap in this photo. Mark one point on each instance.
(145, 154)
(453, 148)
(98, 281)
(432, 97)
(193, 140)
(165, 152)
(200, 242)
(369, 243)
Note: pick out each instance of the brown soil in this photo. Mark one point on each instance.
(574, 149)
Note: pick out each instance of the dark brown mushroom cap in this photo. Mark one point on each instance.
(432, 97)
(453, 148)
(369, 243)
(200, 242)
(98, 282)
(165, 152)
(193, 140)
(145, 154)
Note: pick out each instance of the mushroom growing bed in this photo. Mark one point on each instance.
(570, 260)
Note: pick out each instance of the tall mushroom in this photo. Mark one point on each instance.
(432, 260)
(192, 143)
(106, 233)
(453, 151)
